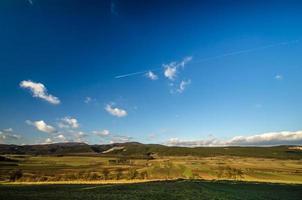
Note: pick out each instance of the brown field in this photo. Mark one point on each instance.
(96, 169)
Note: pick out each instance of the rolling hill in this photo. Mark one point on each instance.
(135, 149)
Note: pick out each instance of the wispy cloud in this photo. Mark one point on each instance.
(279, 77)
(61, 137)
(109, 137)
(69, 122)
(265, 139)
(102, 133)
(41, 126)
(151, 75)
(30, 2)
(182, 86)
(8, 130)
(120, 139)
(81, 136)
(117, 112)
(68, 136)
(136, 73)
(90, 100)
(48, 141)
(113, 8)
(87, 100)
(55, 139)
(39, 91)
(171, 69)
(7, 136)
(244, 51)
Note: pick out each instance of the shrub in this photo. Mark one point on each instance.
(144, 175)
(119, 173)
(105, 173)
(132, 173)
(15, 175)
(230, 173)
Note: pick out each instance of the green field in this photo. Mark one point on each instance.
(178, 190)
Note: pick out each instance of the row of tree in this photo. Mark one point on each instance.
(104, 174)
(164, 171)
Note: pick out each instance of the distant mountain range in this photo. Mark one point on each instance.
(138, 150)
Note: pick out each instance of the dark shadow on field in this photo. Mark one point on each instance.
(158, 190)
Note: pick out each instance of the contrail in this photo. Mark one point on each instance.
(245, 51)
(218, 56)
(137, 73)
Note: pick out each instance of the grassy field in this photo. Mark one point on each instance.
(177, 177)
(96, 168)
(178, 190)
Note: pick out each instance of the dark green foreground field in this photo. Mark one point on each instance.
(168, 190)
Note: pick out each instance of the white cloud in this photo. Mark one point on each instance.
(14, 136)
(81, 134)
(41, 126)
(194, 143)
(55, 139)
(2, 137)
(271, 138)
(118, 112)
(48, 141)
(69, 122)
(87, 100)
(279, 77)
(171, 69)
(185, 61)
(265, 139)
(71, 135)
(7, 136)
(107, 136)
(8, 130)
(120, 139)
(102, 133)
(170, 72)
(182, 86)
(39, 91)
(151, 75)
(81, 137)
(60, 137)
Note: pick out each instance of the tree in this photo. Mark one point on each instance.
(230, 173)
(15, 175)
(106, 173)
(144, 175)
(93, 176)
(132, 174)
(119, 173)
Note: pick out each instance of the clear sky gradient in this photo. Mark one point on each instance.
(222, 69)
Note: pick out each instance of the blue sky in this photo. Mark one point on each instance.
(200, 72)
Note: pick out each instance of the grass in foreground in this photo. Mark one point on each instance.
(164, 190)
